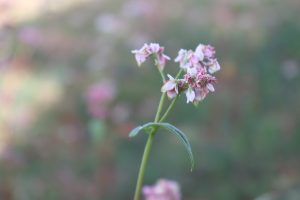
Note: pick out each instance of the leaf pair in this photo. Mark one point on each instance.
(152, 126)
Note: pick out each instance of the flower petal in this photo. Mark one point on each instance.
(169, 85)
(210, 87)
(214, 67)
(192, 71)
(190, 95)
(170, 77)
(171, 94)
(199, 52)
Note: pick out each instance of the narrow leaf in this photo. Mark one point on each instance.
(151, 126)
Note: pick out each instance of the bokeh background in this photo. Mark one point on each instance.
(70, 92)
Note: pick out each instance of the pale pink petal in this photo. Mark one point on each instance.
(192, 71)
(154, 47)
(166, 57)
(162, 190)
(183, 58)
(185, 65)
(190, 95)
(201, 93)
(209, 51)
(169, 85)
(140, 58)
(210, 87)
(171, 94)
(176, 88)
(170, 77)
(199, 52)
(181, 54)
(161, 61)
(214, 67)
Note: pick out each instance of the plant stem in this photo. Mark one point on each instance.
(162, 76)
(169, 109)
(178, 74)
(145, 159)
(160, 106)
(148, 146)
(146, 153)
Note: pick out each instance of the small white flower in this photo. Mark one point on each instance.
(199, 52)
(192, 71)
(214, 67)
(210, 87)
(169, 85)
(154, 47)
(190, 95)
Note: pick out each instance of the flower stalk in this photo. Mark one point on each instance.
(196, 83)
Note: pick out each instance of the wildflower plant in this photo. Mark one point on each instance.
(194, 79)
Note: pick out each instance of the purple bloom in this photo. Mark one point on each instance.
(204, 56)
(184, 58)
(199, 52)
(142, 54)
(161, 59)
(162, 190)
(205, 51)
(213, 67)
(190, 95)
(209, 51)
(171, 87)
(155, 49)
(199, 66)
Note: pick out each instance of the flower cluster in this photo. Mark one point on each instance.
(162, 190)
(198, 65)
(147, 50)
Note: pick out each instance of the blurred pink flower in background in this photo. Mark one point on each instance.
(98, 97)
(162, 190)
(31, 36)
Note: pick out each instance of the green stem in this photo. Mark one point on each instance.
(146, 153)
(178, 74)
(160, 106)
(148, 146)
(145, 159)
(169, 109)
(162, 76)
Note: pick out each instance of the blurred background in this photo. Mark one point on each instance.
(70, 91)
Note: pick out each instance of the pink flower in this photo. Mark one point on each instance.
(142, 54)
(162, 190)
(199, 85)
(190, 95)
(155, 49)
(205, 51)
(213, 67)
(199, 52)
(161, 59)
(204, 56)
(184, 58)
(200, 94)
(171, 87)
(98, 97)
(209, 51)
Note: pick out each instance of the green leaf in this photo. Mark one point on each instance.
(151, 127)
